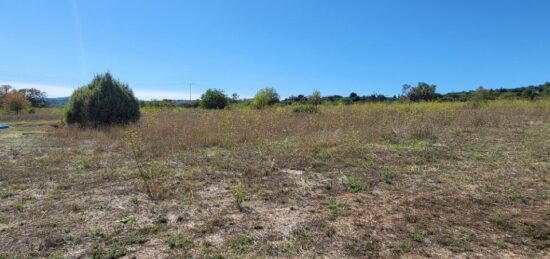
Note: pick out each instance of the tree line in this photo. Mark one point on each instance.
(18, 100)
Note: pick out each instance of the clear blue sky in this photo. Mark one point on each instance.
(296, 46)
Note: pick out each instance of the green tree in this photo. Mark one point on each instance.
(422, 92)
(265, 97)
(35, 96)
(101, 102)
(315, 98)
(213, 99)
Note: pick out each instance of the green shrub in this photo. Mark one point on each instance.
(265, 97)
(213, 99)
(103, 101)
(308, 108)
(315, 98)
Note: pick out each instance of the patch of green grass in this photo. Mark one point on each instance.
(129, 219)
(536, 231)
(4, 219)
(19, 206)
(515, 195)
(387, 177)
(5, 194)
(354, 185)
(453, 244)
(179, 241)
(337, 207)
(416, 236)
(117, 251)
(138, 240)
(241, 243)
(501, 223)
(56, 255)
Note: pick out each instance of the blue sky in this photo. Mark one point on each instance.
(296, 46)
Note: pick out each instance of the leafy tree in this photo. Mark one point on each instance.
(15, 101)
(4, 89)
(35, 96)
(353, 97)
(265, 97)
(235, 97)
(213, 99)
(103, 101)
(315, 98)
(422, 91)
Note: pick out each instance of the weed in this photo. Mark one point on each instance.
(5, 194)
(129, 219)
(537, 232)
(387, 177)
(501, 223)
(240, 195)
(138, 239)
(515, 195)
(455, 245)
(149, 171)
(117, 251)
(179, 241)
(56, 255)
(416, 236)
(337, 207)
(258, 226)
(241, 243)
(19, 206)
(354, 185)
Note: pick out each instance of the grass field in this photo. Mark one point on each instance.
(372, 180)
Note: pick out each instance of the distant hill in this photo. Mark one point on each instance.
(61, 101)
(57, 102)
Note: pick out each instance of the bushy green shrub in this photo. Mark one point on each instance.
(307, 108)
(422, 92)
(213, 99)
(265, 97)
(103, 101)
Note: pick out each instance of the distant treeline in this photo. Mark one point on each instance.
(420, 92)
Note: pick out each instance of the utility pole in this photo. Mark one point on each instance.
(190, 84)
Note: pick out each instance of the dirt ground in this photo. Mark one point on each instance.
(482, 193)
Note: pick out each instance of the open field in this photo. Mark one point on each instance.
(372, 180)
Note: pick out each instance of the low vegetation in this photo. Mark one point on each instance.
(445, 179)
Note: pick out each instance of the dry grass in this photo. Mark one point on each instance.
(428, 179)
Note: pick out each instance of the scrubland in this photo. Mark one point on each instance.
(370, 180)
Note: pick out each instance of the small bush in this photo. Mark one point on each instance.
(305, 109)
(103, 101)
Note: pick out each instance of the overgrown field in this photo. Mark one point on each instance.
(372, 180)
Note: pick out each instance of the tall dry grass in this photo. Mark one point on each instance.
(167, 132)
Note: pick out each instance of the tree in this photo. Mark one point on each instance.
(35, 96)
(265, 97)
(15, 101)
(101, 102)
(315, 98)
(235, 97)
(405, 89)
(213, 99)
(353, 97)
(4, 89)
(422, 91)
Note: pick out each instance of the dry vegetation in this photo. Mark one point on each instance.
(427, 179)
